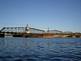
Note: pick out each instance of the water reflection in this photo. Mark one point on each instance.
(2, 44)
(38, 49)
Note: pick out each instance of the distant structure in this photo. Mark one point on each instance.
(26, 29)
(48, 30)
(37, 33)
(68, 32)
(55, 31)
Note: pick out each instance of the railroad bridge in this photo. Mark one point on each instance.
(33, 32)
(20, 31)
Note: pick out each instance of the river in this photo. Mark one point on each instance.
(40, 49)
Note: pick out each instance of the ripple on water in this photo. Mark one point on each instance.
(41, 49)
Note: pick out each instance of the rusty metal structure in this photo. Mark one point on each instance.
(34, 33)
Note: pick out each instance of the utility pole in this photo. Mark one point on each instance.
(26, 28)
(48, 29)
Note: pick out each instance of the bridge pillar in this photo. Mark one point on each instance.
(74, 36)
(8, 35)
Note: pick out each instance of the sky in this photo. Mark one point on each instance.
(64, 15)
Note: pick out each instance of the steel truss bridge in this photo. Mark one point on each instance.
(32, 32)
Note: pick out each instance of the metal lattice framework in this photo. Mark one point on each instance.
(21, 29)
(13, 29)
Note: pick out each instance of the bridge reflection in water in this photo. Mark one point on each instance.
(33, 32)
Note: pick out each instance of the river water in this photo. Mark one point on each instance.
(40, 49)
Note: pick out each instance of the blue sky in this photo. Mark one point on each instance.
(64, 15)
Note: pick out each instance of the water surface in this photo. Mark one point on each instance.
(40, 49)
